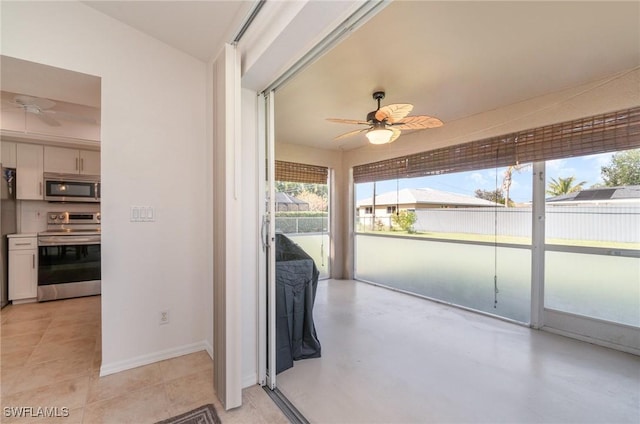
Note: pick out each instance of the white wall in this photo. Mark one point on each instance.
(154, 134)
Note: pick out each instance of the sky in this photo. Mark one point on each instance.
(583, 168)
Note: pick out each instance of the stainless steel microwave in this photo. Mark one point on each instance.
(71, 188)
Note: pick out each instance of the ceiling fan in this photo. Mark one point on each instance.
(43, 109)
(386, 123)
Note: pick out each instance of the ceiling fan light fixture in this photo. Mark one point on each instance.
(379, 135)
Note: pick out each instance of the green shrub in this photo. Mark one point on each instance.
(404, 220)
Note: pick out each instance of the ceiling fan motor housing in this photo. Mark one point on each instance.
(371, 116)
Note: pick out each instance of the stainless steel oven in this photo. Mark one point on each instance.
(69, 263)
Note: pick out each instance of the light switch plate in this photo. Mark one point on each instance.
(142, 214)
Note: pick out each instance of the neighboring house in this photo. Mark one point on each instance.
(624, 195)
(287, 203)
(386, 204)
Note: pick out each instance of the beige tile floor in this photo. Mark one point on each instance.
(50, 357)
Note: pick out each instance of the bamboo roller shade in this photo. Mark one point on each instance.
(596, 134)
(301, 173)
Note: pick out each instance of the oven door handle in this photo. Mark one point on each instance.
(67, 240)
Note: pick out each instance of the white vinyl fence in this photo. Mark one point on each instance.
(598, 223)
(507, 222)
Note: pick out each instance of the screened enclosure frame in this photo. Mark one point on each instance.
(602, 133)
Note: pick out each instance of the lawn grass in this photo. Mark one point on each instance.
(490, 238)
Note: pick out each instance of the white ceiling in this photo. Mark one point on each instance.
(456, 59)
(450, 59)
(198, 28)
(38, 80)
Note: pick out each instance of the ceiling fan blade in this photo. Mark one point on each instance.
(39, 102)
(47, 119)
(347, 121)
(418, 122)
(393, 113)
(71, 116)
(350, 133)
(396, 134)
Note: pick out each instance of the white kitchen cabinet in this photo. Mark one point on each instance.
(71, 161)
(89, 162)
(23, 268)
(29, 168)
(8, 154)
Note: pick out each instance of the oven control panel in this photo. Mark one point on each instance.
(73, 218)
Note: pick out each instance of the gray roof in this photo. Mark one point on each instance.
(426, 196)
(284, 198)
(599, 194)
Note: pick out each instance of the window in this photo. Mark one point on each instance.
(494, 242)
(458, 220)
(302, 209)
(592, 231)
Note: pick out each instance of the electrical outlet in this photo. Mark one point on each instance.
(164, 317)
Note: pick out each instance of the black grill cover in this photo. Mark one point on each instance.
(296, 284)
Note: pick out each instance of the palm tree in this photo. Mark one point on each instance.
(506, 180)
(564, 186)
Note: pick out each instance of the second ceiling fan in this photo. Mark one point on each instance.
(44, 110)
(384, 125)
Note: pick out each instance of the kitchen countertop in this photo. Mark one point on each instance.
(22, 235)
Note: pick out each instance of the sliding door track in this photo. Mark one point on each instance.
(287, 408)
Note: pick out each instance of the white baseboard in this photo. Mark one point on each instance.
(139, 361)
(604, 343)
(208, 348)
(22, 301)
